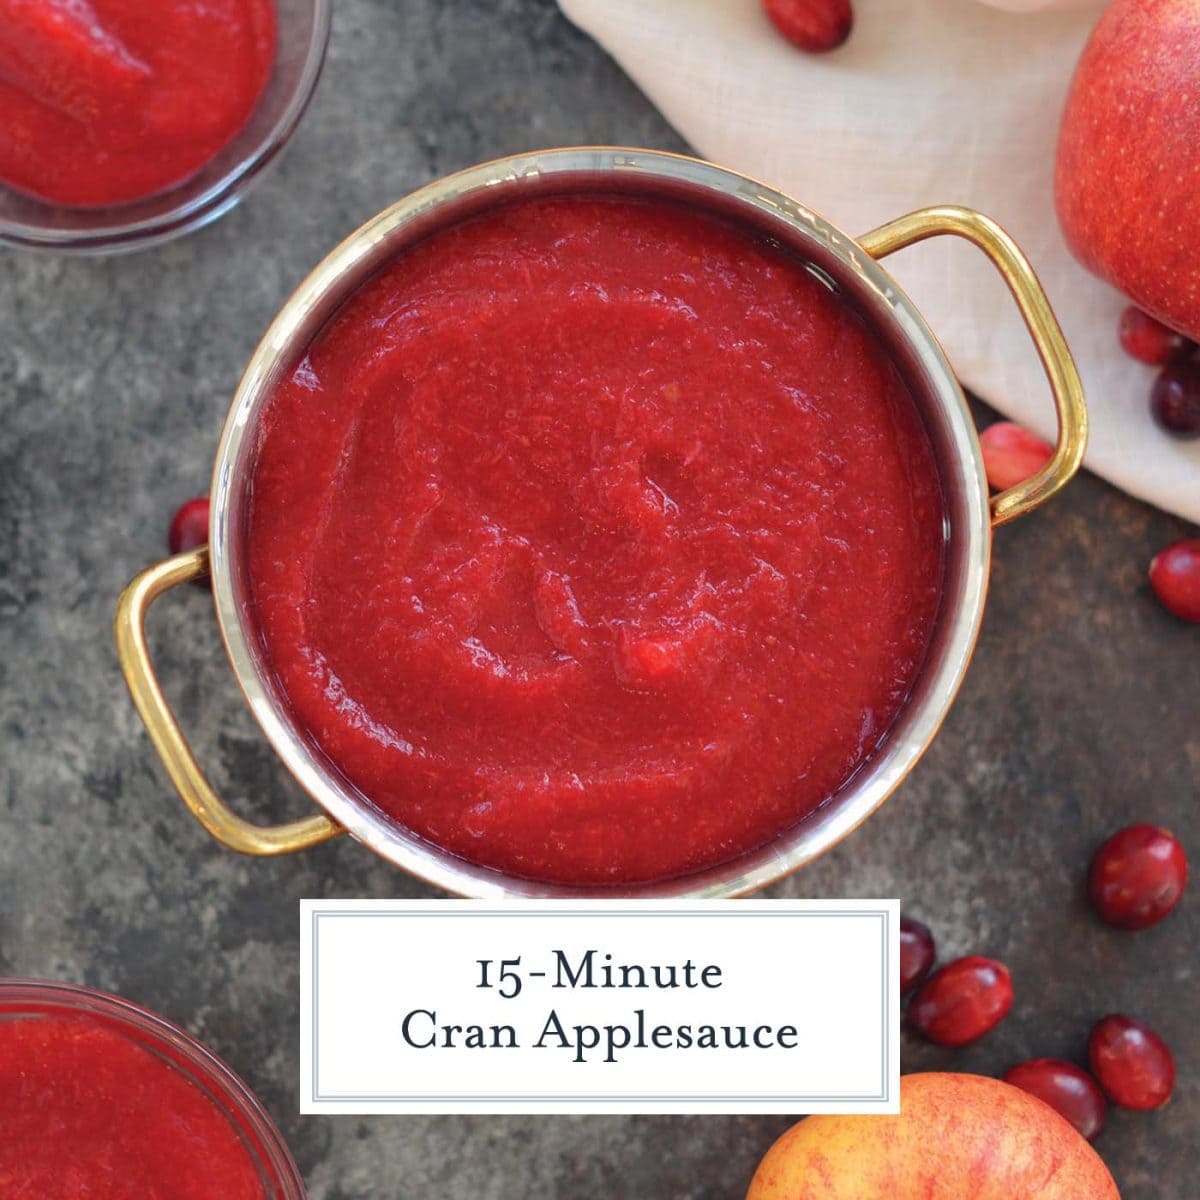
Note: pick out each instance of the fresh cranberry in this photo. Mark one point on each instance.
(1011, 454)
(189, 526)
(1137, 877)
(1175, 399)
(962, 1001)
(1132, 1062)
(1150, 341)
(1175, 578)
(917, 953)
(1068, 1089)
(813, 25)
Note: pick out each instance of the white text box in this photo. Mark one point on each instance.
(745, 1006)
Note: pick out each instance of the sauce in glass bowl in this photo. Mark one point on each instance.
(103, 102)
(86, 1110)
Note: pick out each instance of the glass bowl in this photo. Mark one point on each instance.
(30, 999)
(303, 34)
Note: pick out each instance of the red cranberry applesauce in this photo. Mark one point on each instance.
(107, 101)
(595, 539)
(86, 1111)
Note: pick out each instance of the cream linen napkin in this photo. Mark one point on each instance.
(930, 102)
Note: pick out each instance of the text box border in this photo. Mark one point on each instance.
(446, 909)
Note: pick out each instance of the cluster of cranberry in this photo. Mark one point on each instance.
(1175, 396)
(1175, 403)
(1011, 454)
(1137, 877)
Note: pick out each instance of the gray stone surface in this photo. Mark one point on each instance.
(1080, 712)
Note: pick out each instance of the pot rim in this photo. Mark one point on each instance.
(225, 1089)
(919, 720)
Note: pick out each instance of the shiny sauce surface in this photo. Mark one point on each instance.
(595, 539)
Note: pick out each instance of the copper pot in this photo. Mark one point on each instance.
(852, 265)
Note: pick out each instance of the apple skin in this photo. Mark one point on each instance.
(1127, 178)
(958, 1137)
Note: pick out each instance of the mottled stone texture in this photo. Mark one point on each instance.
(1079, 714)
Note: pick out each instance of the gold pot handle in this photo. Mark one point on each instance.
(205, 805)
(1043, 327)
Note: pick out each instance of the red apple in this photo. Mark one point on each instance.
(1128, 175)
(956, 1136)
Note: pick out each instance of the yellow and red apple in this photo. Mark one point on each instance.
(958, 1137)
(1127, 180)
